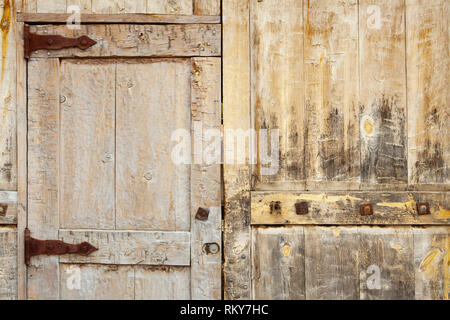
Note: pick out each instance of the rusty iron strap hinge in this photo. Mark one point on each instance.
(34, 247)
(33, 42)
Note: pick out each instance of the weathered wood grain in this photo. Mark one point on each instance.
(331, 88)
(428, 65)
(382, 91)
(8, 146)
(277, 85)
(8, 263)
(278, 263)
(236, 115)
(130, 247)
(390, 208)
(119, 6)
(50, 6)
(162, 283)
(170, 6)
(206, 280)
(431, 263)
(84, 6)
(10, 199)
(391, 251)
(153, 100)
(97, 282)
(207, 7)
(131, 40)
(87, 144)
(43, 168)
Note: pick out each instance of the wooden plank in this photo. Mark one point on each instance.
(428, 65)
(87, 144)
(331, 263)
(277, 81)
(28, 6)
(162, 283)
(45, 6)
(119, 6)
(8, 263)
(137, 40)
(344, 208)
(119, 18)
(382, 91)
(97, 282)
(170, 7)
(10, 199)
(331, 89)
(8, 147)
(153, 100)
(387, 253)
(236, 115)
(206, 279)
(43, 148)
(207, 7)
(84, 6)
(130, 247)
(431, 257)
(278, 263)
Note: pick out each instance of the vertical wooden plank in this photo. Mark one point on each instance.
(85, 6)
(97, 282)
(331, 81)
(277, 83)
(153, 100)
(8, 263)
(50, 6)
(207, 7)
(43, 168)
(162, 283)
(382, 91)
(118, 6)
(386, 253)
(206, 280)
(170, 7)
(431, 263)
(28, 6)
(236, 116)
(87, 144)
(278, 263)
(331, 263)
(428, 65)
(8, 146)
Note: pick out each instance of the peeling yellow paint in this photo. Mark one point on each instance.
(286, 250)
(368, 127)
(442, 214)
(336, 232)
(5, 25)
(446, 268)
(396, 246)
(324, 198)
(427, 263)
(410, 205)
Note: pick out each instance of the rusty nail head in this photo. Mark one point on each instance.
(275, 207)
(301, 207)
(423, 208)
(211, 248)
(366, 209)
(202, 214)
(3, 209)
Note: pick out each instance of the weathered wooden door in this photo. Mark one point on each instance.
(352, 200)
(101, 169)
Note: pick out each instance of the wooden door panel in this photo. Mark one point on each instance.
(153, 192)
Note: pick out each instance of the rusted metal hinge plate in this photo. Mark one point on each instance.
(33, 42)
(34, 247)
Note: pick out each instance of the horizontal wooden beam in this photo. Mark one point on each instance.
(137, 18)
(342, 207)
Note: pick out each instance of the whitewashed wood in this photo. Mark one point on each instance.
(97, 282)
(10, 199)
(50, 6)
(428, 65)
(153, 100)
(138, 40)
(119, 6)
(130, 247)
(331, 260)
(170, 6)
(431, 263)
(162, 283)
(207, 7)
(236, 115)
(87, 144)
(28, 6)
(278, 263)
(8, 147)
(206, 270)
(8, 263)
(391, 250)
(43, 168)
(84, 6)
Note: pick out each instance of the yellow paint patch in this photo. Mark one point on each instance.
(324, 198)
(336, 232)
(427, 263)
(442, 214)
(286, 250)
(410, 205)
(5, 25)
(368, 126)
(396, 246)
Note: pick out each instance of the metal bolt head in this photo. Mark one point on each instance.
(275, 207)
(301, 208)
(423, 208)
(62, 99)
(202, 214)
(366, 209)
(211, 248)
(3, 209)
